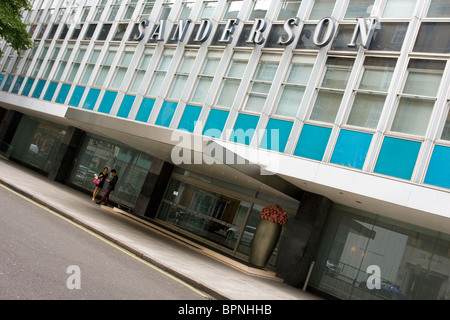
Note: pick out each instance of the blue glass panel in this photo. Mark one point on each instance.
(63, 92)
(38, 89)
(2, 76)
(351, 148)
(189, 118)
(50, 91)
(276, 135)
(145, 109)
(8, 83)
(312, 142)
(26, 90)
(215, 123)
(91, 99)
(107, 102)
(438, 173)
(244, 128)
(76, 96)
(125, 107)
(166, 114)
(17, 85)
(397, 157)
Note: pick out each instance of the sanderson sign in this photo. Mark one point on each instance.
(323, 34)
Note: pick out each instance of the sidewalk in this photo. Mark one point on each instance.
(204, 269)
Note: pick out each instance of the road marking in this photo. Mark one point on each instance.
(105, 240)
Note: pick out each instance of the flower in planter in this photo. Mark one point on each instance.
(274, 213)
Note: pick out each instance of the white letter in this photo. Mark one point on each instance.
(229, 30)
(181, 29)
(373, 281)
(331, 27)
(292, 21)
(74, 281)
(366, 35)
(204, 30)
(256, 34)
(158, 33)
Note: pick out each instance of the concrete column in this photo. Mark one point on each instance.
(60, 169)
(300, 241)
(152, 192)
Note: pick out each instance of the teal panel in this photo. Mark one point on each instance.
(397, 157)
(312, 142)
(50, 91)
(8, 83)
(438, 173)
(76, 96)
(63, 92)
(91, 99)
(17, 85)
(38, 89)
(2, 76)
(276, 135)
(125, 107)
(189, 118)
(351, 148)
(244, 128)
(145, 109)
(26, 90)
(107, 102)
(215, 123)
(166, 113)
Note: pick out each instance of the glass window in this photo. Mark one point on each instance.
(371, 92)
(182, 74)
(208, 9)
(399, 9)
(160, 72)
(76, 63)
(439, 9)
(63, 63)
(90, 31)
(206, 76)
(120, 32)
(233, 8)
(40, 60)
(104, 31)
(186, 9)
(293, 86)
(331, 90)
(289, 9)
(106, 66)
(392, 37)
(51, 61)
(411, 260)
(113, 10)
(446, 132)
(433, 37)
(417, 101)
(141, 69)
(167, 7)
(259, 9)
(146, 10)
(91, 64)
(84, 14)
(359, 8)
(122, 67)
(232, 79)
(322, 9)
(129, 10)
(262, 81)
(100, 9)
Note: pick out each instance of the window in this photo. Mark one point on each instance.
(293, 86)
(51, 62)
(106, 65)
(91, 64)
(359, 8)
(399, 9)
(233, 78)
(417, 100)
(63, 63)
(29, 59)
(182, 74)
(104, 31)
(331, 90)
(439, 9)
(206, 76)
(146, 10)
(446, 132)
(120, 32)
(208, 9)
(85, 13)
(233, 9)
(40, 60)
(167, 7)
(186, 9)
(129, 10)
(113, 10)
(161, 71)
(259, 9)
(371, 92)
(90, 32)
(141, 69)
(100, 9)
(76, 63)
(262, 81)
(122, 66)
(321, 9)
(433, 37)
(289, 9)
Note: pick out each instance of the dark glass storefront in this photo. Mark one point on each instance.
(411, 262)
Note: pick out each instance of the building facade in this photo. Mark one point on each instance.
(338, 111)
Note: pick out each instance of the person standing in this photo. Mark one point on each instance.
(110, 188)
(102, 176)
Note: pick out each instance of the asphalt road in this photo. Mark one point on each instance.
(45, 257)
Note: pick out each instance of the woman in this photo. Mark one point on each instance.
(102, 176)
